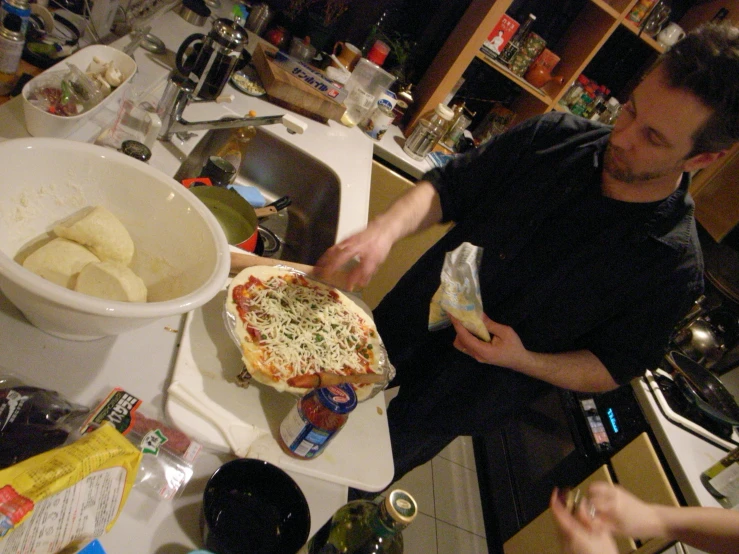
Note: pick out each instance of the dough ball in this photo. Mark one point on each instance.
(111, 281)
(60, 261)
(101, 232)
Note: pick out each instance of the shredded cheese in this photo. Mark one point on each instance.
(303, 329)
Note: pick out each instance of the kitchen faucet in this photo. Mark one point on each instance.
(179, 93)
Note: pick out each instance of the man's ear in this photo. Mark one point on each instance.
(699, 161)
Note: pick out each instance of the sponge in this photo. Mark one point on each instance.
(250, 194)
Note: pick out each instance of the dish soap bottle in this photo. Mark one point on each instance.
(365, 526)
(722, 479)
(233, 150)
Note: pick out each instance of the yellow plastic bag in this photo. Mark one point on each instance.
(67, 495)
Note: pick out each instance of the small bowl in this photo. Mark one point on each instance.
(253, 506)
(40, 123)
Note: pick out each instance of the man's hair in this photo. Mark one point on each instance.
(706, 63)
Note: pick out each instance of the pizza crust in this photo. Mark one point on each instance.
(251, 354)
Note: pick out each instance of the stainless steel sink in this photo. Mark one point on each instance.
(277, 168)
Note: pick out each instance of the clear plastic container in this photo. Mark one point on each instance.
(367, 82)
(427, 132)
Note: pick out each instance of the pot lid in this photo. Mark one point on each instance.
(722, 269)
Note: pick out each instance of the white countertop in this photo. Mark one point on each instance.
(141, 361)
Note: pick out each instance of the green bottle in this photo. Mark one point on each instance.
(363, 527)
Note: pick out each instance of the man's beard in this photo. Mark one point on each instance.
(622, 173)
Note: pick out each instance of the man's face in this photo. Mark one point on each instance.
(654, 133)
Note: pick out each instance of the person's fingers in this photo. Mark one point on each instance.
(334, 258)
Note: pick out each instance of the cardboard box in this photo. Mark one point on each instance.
(501, 34)
(296, 87)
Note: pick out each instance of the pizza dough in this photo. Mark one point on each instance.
(111, 281)
(101, 232)
(59, 261)
(305, 330)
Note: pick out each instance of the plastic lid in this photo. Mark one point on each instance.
(613, 102)
(444, 111)
(401, 506)
(340, 399)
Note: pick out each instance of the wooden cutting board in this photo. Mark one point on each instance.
(289, 92)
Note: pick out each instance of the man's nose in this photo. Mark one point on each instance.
(623, 136)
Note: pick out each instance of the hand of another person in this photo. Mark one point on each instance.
(505, 349)
(370, 247)
(623, 512)
(579, 532)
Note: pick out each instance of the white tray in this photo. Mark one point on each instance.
(359, 456)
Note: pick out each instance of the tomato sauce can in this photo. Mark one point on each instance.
(315, 419)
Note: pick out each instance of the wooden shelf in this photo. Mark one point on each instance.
(644, 37)
(520, 81)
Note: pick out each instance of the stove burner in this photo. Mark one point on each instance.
(271, 243)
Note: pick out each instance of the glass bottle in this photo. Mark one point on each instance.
(516, 40)
(613, 108)
(574, 92)
(427, 132)
(363, 526)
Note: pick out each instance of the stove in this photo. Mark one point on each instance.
(688, 443)
(677, 409)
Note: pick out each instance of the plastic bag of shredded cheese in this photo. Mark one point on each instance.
(459, 292)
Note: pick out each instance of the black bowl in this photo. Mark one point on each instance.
(253, 506)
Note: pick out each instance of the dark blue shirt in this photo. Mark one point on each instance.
(566, 267)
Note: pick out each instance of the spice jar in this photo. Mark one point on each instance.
(316, 419)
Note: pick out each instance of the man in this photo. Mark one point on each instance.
(590, 251)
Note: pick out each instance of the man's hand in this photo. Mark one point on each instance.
(369, 248)
(505, 349)
(578, 370)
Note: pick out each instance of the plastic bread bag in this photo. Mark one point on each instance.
(33, 419)
(235, 328)
(459, 294)
(168, 454)
(59, 500)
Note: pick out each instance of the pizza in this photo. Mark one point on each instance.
(291, 328)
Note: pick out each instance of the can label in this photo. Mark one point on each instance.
(301, 436)
(378, 121)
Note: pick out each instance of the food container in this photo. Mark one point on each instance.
(316, 419)
(40, 123)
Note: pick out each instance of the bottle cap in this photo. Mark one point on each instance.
(401, 506)
(444, 111)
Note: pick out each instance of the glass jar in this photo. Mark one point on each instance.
(316, 419)
(427, 132)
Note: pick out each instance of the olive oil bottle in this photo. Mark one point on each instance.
(363, 526)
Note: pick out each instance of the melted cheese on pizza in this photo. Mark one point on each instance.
(301, 329)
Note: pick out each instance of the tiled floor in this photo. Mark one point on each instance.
(450, 513)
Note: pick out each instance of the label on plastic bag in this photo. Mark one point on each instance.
(459, 292)
(67, 495)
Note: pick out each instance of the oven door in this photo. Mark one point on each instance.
(560, 441)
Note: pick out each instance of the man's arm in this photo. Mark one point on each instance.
(414, 211)
(577, 370)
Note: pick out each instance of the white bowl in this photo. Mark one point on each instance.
(40, 123)
(181, 251)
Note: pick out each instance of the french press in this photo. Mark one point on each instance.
(210, 60)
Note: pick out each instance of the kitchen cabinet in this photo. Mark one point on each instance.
(583, 39)
(716, 189)
(387, 185)
(637, 468)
